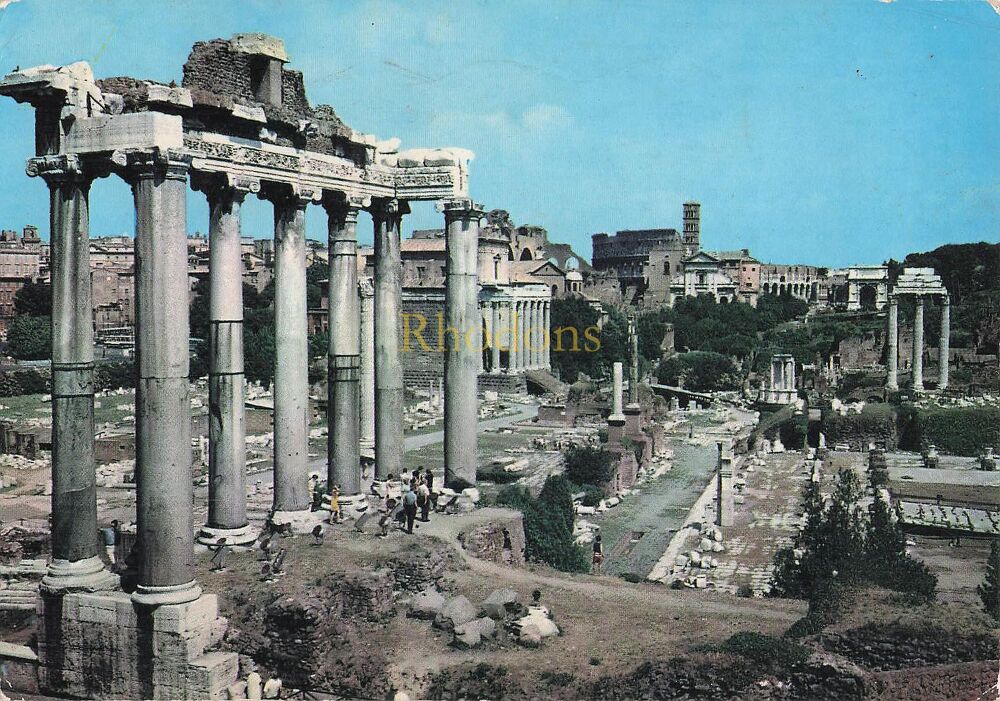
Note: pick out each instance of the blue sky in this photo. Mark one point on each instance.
(818, 132)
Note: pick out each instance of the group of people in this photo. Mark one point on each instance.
(415, 494)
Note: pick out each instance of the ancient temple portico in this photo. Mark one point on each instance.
(921, 285)
(227, 133)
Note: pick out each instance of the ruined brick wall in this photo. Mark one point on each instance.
(212, 66)
(420, 568)
(486, 541)
(953, 682)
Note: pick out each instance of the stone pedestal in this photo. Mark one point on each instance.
(616, 429)
(633, 420)
(103, 645)
(351, 506)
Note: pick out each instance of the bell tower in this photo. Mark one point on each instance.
(692, 228)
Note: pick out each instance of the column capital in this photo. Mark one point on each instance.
(289, 195)
(388, 208)
(462, 209)
(221, 186)
(344, 206)
(58, 169)
(146, 164)
(366, 287)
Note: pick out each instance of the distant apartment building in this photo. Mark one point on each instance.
(20, 257)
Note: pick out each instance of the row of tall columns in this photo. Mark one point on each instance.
(917, 357)
(524, 336)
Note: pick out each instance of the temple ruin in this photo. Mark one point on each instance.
(238, 124)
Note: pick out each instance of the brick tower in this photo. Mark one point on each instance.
(692, 228)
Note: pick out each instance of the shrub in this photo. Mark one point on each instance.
(548, 524)
(702, 371)
(876, 422)
(765, 650)
(30, 338)
(964, 431)
(588, 465)
(591, 495)
(21, 382)
(989, 590)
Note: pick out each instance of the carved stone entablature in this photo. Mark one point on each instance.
(153, 162)
(55, 167)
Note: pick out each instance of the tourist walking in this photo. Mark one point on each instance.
(110, 535)
(598, 554)
(424, 500)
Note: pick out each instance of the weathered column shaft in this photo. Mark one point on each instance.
(227, 507)
(343, 367)
(944, 344)
(495, 337)
(547, 348)
(291, 379)
(387, 215)
(616, 390)
(892, 351)
(163, 411)
(633, 371)
(918, 345)
(513, 352)
(536, 334)
(366, 291)
(75, 561)
(461, 360)
(522, 327)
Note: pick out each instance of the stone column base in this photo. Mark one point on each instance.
(100, 645)
(89, 574)
(244, 535)
(351, 506)
(302, 522)
(170, 594)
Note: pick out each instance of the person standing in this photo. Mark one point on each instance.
(110, 535)
(598, 554)
(335, 504)
(410, 508)
(424, 500)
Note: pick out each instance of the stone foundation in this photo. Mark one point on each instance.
(102, 645)
(486, 541)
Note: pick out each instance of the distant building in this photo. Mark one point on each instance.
(801, 281)
(20, 264)
(702, 274)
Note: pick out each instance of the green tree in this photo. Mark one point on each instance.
(989, 590)
(33, 299)
(702, 371)
(30, 338)
(588, 465)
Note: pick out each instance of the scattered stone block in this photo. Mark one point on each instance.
(455, 612)
(501, 603)
(427, 604)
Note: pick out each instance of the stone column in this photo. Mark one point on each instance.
(944, 344)
(461, 308)
(616, 393)
(291, 365)
(75, 563)
(227, 504)
(724, 489)
(343, 358)
(513, 353)
(918, 345)
(164, 491)
(547, 347)
(481, 339)
(366, 291)
(892, 351)
(522, 327)
(495, 338)
(633, 371)
(536, 334)
(387, 215)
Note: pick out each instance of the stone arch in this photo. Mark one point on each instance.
(868, 297)
(526, 254)
(572, 263)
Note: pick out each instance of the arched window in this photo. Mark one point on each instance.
(526, 254)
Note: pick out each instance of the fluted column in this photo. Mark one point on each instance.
(366, 292)
(291, 365)
(343, 366)
(892, 351)
(944, 344)
(461, 360)
(918, 345)
(495, 337)
(387, 215)
(536, 334)
(227, 505)
(164, 491)
(75, 563)
(514, 342)
(522, 329)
